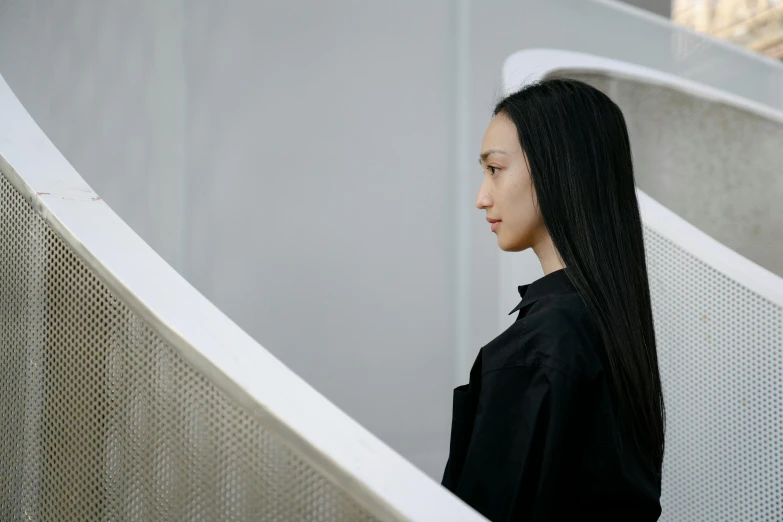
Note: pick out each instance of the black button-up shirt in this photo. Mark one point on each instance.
(533, 432)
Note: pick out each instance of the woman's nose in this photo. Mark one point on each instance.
(483, 200)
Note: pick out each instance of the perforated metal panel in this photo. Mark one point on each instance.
(101, 420)
(720, 349)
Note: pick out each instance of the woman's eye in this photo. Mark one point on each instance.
(493, 171)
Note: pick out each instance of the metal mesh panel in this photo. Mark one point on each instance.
(720, 348)
(102, 420)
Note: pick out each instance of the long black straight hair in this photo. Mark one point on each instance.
(579, 155)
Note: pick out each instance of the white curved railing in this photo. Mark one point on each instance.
(719, 329)
(126, 393)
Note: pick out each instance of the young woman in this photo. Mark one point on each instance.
(563, 415)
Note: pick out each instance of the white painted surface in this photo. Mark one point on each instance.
(361, 463)
(709, 251)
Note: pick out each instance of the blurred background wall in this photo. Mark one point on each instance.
(310, 167)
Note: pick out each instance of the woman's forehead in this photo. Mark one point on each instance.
(501, 135)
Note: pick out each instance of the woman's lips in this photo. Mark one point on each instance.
(495, 226)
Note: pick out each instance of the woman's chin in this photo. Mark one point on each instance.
(507, 246)
(504, 245)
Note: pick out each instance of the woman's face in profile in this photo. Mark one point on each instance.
(507, 191)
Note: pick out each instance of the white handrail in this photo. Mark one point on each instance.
(710, 251)
(319, 432)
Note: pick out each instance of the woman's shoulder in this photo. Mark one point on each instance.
(555, 334)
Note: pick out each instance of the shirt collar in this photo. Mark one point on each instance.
(551, 284)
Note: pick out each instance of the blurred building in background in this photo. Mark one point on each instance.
(754, 24)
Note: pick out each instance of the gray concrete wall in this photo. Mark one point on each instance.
(304, 167)
(319, 189)
(291, 159)
(105, 81)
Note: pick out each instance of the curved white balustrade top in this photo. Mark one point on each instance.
(316, 430)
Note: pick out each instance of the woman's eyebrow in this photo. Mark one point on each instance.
(484, 155)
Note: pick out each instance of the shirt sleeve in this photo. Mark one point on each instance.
(523, 438)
